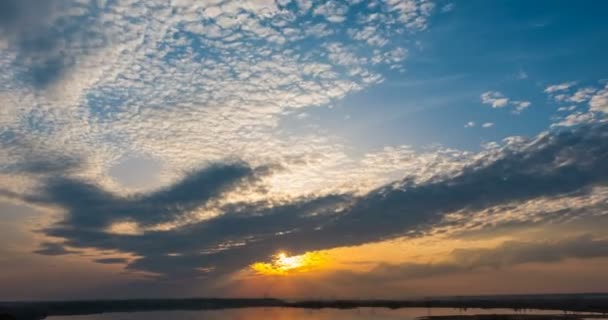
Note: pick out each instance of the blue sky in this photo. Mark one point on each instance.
(514, 47)
(164, 147)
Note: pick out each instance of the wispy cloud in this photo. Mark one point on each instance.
(559, 87)
(593, 99)
(448, 7)
(467, 260)
(599, 101)
(499, 100)
(495, 99)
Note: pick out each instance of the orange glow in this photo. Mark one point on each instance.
(282, 264)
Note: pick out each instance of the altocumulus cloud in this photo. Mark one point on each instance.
(45, 37)
(100, 77)
(553, 164)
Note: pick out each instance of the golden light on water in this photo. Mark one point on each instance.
(282, 264)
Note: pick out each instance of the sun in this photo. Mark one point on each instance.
(282, 264)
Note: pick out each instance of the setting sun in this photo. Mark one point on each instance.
(282, 264)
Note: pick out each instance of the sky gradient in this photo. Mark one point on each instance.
(302, 148)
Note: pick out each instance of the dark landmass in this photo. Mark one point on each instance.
(567, 303)
(514, 317)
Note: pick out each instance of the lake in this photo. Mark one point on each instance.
(297, 314)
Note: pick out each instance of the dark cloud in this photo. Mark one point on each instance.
(213, 244)
(47, 39)
(517, 252)
(112, 260)
(94, 209)
(466, 260)
(59, 165)
(555, 164)
(589, 217)
(53, 249)
(29, 158)
(19, 16)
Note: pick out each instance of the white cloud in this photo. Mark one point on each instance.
(341, 55)
(582, 95)
(302, 116)
(149, 89)
(538, 209)
(521, 75)
(447, 8)
(487, 125)
(559, 87)
(370, 35)
(304, 5)
(470, 124)
(599, 101)
(498, 100)
(560, 93)
(495, 99)
(413, 13)
(333, 11)
(563, 109)
(521, 105)
(575, 119)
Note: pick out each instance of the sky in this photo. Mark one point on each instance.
(302, 148)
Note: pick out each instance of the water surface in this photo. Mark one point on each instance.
(297, 314)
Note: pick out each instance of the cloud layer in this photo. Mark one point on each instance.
(552, 165)
(197, 99)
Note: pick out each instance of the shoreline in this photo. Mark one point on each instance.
(597, 304)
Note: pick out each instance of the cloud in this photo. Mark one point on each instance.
(92, 208)
(582, 95)
(509, 253)
(574, 119)
(333, 11)
(447, 8)
(53, 249)
(47, 37)
(569, 108)
(470, 124)
(487, 125)
(599, 101)
(554, 164)
(517, 252)
(521, 75)
(559, 93)
(559, 87)
(133, 79)
(498, 100)
(516, 219)
(495, 99)
(112, 260)
(521, 105)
